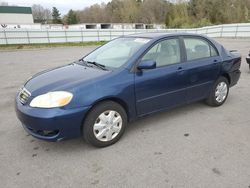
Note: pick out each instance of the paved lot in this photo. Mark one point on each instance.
(191, 146)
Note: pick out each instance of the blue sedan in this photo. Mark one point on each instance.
(123, 80)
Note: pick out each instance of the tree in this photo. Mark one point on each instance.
(71, 17)
(129, 11)
(114, 9)
(94, 14)
(153, 11)
(40, 14)
(56, 16)
(174, 13)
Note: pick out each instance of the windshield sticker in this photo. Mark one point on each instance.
(141, 40)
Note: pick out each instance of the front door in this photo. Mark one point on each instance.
(165, 86)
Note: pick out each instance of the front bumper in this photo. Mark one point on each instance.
(51, 124)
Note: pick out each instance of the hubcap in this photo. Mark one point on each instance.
(107, 126)
(221, 92)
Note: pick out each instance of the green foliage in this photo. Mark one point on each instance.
(56, 19)
(199, 13)
(182, 13)
(71, 17)
(207, 12)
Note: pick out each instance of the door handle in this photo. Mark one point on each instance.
(180, 69)
(215, 61)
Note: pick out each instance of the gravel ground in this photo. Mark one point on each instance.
(190, 146)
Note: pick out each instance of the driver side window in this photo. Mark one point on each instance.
(164, 53)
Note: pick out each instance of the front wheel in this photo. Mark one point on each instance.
(105, 124)
(219, 92)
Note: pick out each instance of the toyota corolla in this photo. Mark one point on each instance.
(123, 80)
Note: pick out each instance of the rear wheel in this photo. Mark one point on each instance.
(105, 124)
(219, 92)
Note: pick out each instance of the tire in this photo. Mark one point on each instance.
(214, 99)
(105, 124)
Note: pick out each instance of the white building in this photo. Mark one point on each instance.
(13, 15)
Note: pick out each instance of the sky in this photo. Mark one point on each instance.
(63, 5)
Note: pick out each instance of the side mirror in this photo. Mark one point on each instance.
(146, 64)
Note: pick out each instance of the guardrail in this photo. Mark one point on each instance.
(19, 36)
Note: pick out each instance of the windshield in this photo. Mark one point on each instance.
(117, 52)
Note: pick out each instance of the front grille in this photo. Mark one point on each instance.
(24, 96)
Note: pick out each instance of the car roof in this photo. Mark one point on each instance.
(155, 35)
(158, 35)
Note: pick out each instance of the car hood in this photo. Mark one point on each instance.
(62, 78)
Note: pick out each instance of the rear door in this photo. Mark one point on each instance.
(202, 67)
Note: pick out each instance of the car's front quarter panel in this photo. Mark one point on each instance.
(118, 85)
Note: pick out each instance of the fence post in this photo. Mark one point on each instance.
(27, 32)
(221, 31)
(236, 32)
(110, 34)
(66, 38)
(81, 34)
(48, 36)
(5, 36)
(98, 35)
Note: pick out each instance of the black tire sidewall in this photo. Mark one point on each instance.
(88, 132)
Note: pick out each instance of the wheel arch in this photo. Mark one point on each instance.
(114, 99)
(226, 75)
(111, 98)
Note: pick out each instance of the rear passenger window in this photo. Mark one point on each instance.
(198, 49)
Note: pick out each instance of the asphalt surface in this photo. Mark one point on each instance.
(190, 146)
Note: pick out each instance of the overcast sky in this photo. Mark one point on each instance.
(63, 5)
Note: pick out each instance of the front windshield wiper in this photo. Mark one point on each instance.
(83, 62)
(103, 67)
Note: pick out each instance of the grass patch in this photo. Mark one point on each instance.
(51, 45)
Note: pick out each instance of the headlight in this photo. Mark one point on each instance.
(52, 99)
